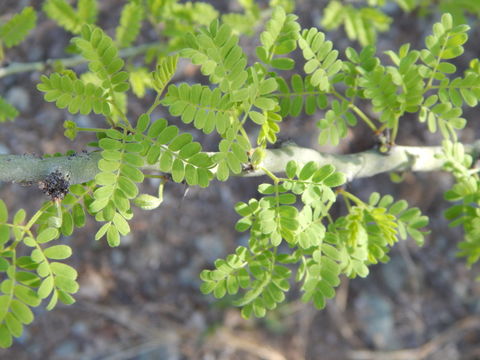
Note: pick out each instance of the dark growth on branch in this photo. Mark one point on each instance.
(55, 185)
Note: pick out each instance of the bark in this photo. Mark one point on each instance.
(83, 167)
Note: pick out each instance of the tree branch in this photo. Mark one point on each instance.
(16, 67)
(26, 169)
(83, 167)
(363, 164)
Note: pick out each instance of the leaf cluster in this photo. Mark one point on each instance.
(347, 245)
(15, 30)
(465, 193)
(29, 279)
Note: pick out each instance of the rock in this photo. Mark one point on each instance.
(375, 313)
(394, 274)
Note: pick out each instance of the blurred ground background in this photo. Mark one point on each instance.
(141, 300)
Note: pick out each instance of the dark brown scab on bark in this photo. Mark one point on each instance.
(55, 185)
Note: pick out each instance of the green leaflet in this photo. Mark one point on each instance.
(56, 279)
(444, 44)
(406, 75)
(140, 80)
(70, 214)
(69, 18)
(217, 51)
(99, 49)
(233, 153)
(300, 95)
(118, 177)
(7, 111)
(206, 109)
(164, 72)
(241, 23)
(360, 24)
(279, 38)
(321, 276)
(74, 94)
(14, 31)
(441, 116)
(266, 282)
(270, 128)
(465, 192)
(380, 88)
(175, 153)
(334, 125)
(460, 90)
(180, 18)
(246, 22)
(28, 279)
(365, 235)
(409, 220)
(322, 61)
(130, 24)
(148, 202)
(394, 90)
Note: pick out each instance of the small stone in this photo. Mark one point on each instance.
(84, 121)
(118, 257)
(4, 149)
(375, 312)
(80, 329)
(197, 321)
(19, 98)
(66, 349)
(394, 273)
(211, 246)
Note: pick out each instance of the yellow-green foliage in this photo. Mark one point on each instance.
(69, 18)
(244, 101)
(14, 31)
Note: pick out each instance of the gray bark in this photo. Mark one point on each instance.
(83, 167)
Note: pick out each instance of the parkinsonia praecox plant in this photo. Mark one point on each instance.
(293, 238)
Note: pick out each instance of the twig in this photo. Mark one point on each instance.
(451, 334)
(249, 345)
(135, 352)
(135, 323)
(162, 337)
(336, 311)
(156, 337)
